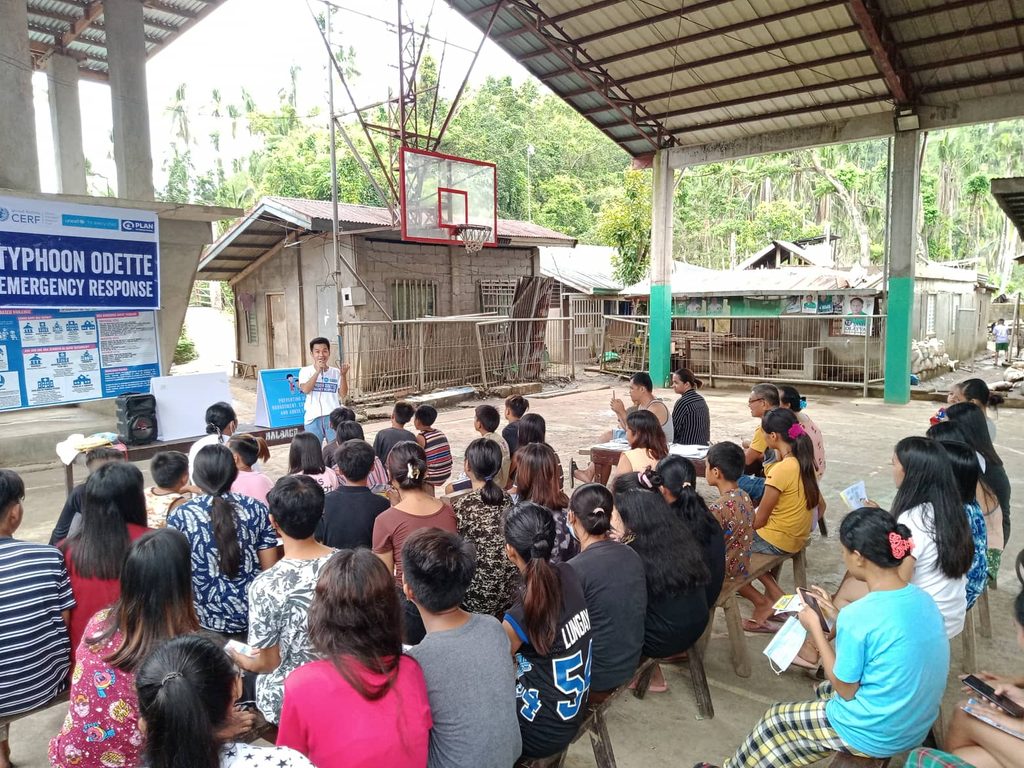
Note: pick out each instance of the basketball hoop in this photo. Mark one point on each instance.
(473, 236)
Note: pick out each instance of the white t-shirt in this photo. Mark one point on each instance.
(324, 397)
(198, 445)
(248, 756)
(950, 595)
(1002, 333)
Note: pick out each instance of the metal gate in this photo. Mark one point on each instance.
(587, 315)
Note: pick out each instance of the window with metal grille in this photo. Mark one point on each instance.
(411, 299)
(252, 334)
(496, 295)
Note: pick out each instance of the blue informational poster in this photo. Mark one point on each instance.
(59, 254)
(279, 401)
(54, 357)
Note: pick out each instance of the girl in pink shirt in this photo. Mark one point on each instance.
(248, 450)
(306, 457)
(365, 705)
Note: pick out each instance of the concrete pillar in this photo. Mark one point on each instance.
(66, 118)
(19, 161)
(660, 327)
(126, 55)
(905, 181)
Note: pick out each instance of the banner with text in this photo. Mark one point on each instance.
(53, 357)
(56, 254)
(279, 401)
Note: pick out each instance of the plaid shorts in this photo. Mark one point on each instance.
(932, 758)
(791, 735)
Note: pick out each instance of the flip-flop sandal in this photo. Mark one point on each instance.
(749, 625)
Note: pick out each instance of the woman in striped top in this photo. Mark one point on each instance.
(691, 419)
(435, 444)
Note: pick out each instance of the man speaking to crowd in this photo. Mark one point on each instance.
(322, 383)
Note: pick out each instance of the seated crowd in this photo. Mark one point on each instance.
(341, 611)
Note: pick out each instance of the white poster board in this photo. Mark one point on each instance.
(181, 403)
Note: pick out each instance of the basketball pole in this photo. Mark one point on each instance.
(334, 178)
(660, 305)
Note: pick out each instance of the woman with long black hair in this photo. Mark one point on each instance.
(679, 487)
(155, 604)
(114, 515)
(365, 702)
(306, 457)
(187, 690)
(966, 473)
(677, 577)
(972, 421)
(231, 540)
(549, 631)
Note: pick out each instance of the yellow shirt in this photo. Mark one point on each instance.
(789, 525)
(758, 442)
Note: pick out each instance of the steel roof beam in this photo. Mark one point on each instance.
(700, 87)
(762, 116)
(984, 55)
(705, 35)
(1001, 77)
(785, 93)
(943, 7)
(753, 51)
(960, 34)
(157, 5)
(874, 29)
(579, 62)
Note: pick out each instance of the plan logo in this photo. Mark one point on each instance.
(134, 225)
(4, 214)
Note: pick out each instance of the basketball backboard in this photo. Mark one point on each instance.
(441, 193)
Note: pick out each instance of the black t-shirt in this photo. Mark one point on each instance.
(72, 506)
(387, 439)
(714, 557)
(511, 435)
(349, 514)
(674, 622)
(552, 690)
(613, 582)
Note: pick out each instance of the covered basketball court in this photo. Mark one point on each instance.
(680, 83)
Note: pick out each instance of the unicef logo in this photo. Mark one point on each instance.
(4, 214)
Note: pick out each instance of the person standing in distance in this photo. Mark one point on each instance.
(322, 384)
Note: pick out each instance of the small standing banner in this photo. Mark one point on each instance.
(279, 401)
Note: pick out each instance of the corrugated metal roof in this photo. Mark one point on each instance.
(1009, 193)
(787, 281)
(76, 29)
(654, 75)
(586, 268)
(265, 226)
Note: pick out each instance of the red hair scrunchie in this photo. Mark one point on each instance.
(899, 546)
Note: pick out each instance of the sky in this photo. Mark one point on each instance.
(253, 44)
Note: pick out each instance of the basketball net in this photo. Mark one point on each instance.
(473, 236)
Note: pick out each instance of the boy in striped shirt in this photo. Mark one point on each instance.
(435, 444)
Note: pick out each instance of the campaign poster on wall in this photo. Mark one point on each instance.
(55, 254)
(55, 357)
(279, 401)
(856, 316)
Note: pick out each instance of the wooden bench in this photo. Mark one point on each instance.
(701, 691)
(728, 601)
(979, 611)
(243, 370)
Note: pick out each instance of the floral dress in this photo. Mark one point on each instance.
(494, 585)
(977, 577)
(101, 727)
(735, 513)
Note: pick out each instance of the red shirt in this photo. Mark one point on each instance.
(91, 595)
(325, 719)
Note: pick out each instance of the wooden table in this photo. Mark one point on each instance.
(604, 458)
(272, 436)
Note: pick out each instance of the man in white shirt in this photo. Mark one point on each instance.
(322, 383)
(1002, 335)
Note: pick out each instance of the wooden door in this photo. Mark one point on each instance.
(277, 332)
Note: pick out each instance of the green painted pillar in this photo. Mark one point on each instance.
(660, 308)
(905, 176)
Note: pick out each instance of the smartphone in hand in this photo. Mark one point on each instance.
(811, 601)
(987, 692)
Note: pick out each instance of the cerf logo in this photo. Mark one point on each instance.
(4, 214)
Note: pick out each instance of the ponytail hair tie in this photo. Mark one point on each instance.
(796, 431)
(414, 471)
(488, 478)
(899, 546)
(684, 485)
(644, 480)
(803, 403)
(597, 510)
(168, 677)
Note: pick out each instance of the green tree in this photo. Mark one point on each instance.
(624, 222)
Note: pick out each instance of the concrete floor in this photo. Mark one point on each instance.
(662, 730)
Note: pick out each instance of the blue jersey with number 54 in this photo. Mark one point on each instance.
(552, 689)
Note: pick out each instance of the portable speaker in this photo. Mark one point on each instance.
(136, 418)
